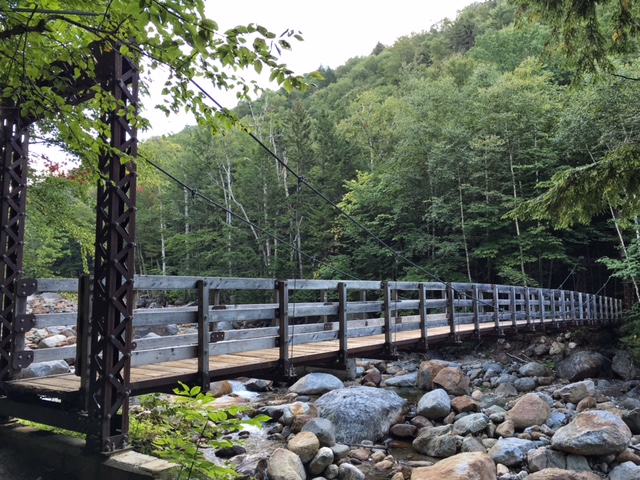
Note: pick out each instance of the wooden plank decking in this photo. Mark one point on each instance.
(165, 375)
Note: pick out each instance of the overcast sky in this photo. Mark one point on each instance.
(333, 30)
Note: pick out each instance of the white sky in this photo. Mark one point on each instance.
(334, 31)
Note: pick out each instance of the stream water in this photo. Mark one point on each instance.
(258, 441)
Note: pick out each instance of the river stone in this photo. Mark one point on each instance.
(43, 369)
(434, 405)
(472, 444)
(305, 445)
(533, 369)
(506, 429)
(632, 419)
(625, 471)
(407, 380)
(220, 388)
(594, 432)
(580, 366)
(251, 466)
(525, 384)
(510, 451)
(428, 370)
(464, 466)
(558, 474)
(316, 384)
(574, 392)
(528, 411)
(323, 429)
(53, 341)
(453, 381)
(403, 430)
(624, 366)
(346, 471)
(436, 442)
(505, 390)
(295, 410)
(285, 465)
(473, 423)
(465, 404)
(321, 460)
(542, 458)
(361, 413)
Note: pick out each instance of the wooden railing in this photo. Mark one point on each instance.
(340, 310)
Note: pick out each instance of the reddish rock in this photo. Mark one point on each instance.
(428, 371)
(528, 411)
(453, 381)
(465, 404)
(464, 466)
(559, 474)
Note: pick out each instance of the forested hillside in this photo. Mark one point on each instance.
(426, 146)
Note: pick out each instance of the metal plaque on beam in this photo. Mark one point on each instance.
(26, 287)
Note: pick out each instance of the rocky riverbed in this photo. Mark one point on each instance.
(536, 406)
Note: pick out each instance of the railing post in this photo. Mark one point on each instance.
(512, 307)
(286, 367)
(475, 295)
(389, 348)
(324, 299)
(527, 308)
(363, 298)
(496, 310)
(553, 308)
(563, 303)
(588, 307)
(422, 292)
(451, 313)
(215, 301)
(343, 353)
(83, 342)
(203, 335)
(581, 306)
(601, 307)
(572, 306)
(541, 303)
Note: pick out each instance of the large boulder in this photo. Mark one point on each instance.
(528, 411)
(560, 474)
(464, 466)
(580, 366)
(361, 413)
(285, 465)
(453, 381)
(316, 384)
(594, 432)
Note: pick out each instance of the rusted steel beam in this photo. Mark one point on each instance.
(113, 299)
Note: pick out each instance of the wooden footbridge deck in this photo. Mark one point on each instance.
(304, 322)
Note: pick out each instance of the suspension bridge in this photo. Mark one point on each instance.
(294, 323)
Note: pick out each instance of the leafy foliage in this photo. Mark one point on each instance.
(177, 429)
